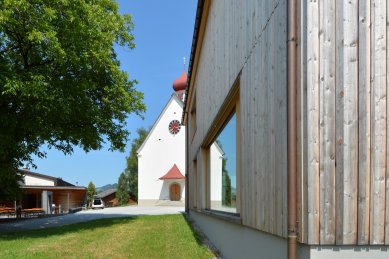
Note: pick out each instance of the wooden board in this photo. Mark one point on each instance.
(327, 122)
(364, 123)
(387, 125)
(339, 186)
(378, 123)
(350, 122)
(313, 103)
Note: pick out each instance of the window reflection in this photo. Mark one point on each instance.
(222, 154)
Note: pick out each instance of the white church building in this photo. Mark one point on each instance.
(161, 158)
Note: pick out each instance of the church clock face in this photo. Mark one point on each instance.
(174, 127)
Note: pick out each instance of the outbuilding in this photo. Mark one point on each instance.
(109, 197)
(51, 194)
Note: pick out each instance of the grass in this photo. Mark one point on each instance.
(168, 236)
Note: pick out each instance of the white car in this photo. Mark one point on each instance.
(97, 203)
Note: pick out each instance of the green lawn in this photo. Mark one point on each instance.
(168, 236)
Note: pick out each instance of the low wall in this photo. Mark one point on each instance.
(343, 252)
(237, 241)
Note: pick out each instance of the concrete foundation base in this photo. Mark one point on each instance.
(237, 241)
(343, 252)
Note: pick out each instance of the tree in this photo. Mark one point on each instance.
(132, 161)
(9, 187)
(60, 79)
(91, 192)
(122, 192)
(226, 184)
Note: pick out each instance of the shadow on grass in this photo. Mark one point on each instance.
(66, 229)
(200, 237)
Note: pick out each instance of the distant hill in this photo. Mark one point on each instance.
(106, 187)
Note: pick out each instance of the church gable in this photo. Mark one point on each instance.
(159, 133)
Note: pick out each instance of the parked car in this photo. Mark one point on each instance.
(97, 203)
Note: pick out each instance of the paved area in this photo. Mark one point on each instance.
(87, 215)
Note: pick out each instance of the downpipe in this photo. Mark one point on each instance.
(292, 130)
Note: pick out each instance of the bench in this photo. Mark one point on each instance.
(6, 211)
(33, 212)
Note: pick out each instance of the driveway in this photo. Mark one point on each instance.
(87, 215)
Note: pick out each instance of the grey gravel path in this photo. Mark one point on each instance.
(87, 215)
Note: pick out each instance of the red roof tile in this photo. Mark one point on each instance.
(173, 173)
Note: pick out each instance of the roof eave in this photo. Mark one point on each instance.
(53, 187)
(196, 31)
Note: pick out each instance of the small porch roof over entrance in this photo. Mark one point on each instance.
(173, 173)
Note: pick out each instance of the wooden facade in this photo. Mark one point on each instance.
(243, 44)
(344, 181)
(343, 178)
(110, 200)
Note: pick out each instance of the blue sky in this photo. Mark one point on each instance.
(163, 36)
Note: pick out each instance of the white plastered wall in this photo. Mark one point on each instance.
(38, 181)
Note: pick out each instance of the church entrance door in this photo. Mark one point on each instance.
(175, 192)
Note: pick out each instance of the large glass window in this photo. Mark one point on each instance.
(222, 166)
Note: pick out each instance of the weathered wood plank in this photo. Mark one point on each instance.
(280, 120)
(387, 125)
(327, 122)
(262, 128)
(313, 121)
(258, 174)
(262, 166)
(244, 166)
(255, 187)
(364, 123)
(350, 122)
(252, 210)
(302, 122)
(300, 132)
(378, 124)
(271, 206)
(339, 170)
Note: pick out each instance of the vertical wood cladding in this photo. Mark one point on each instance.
(343, 180)
(246, 38)
(343, 122)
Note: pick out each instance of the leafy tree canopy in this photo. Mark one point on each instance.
(60, 79)
(132, 161)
